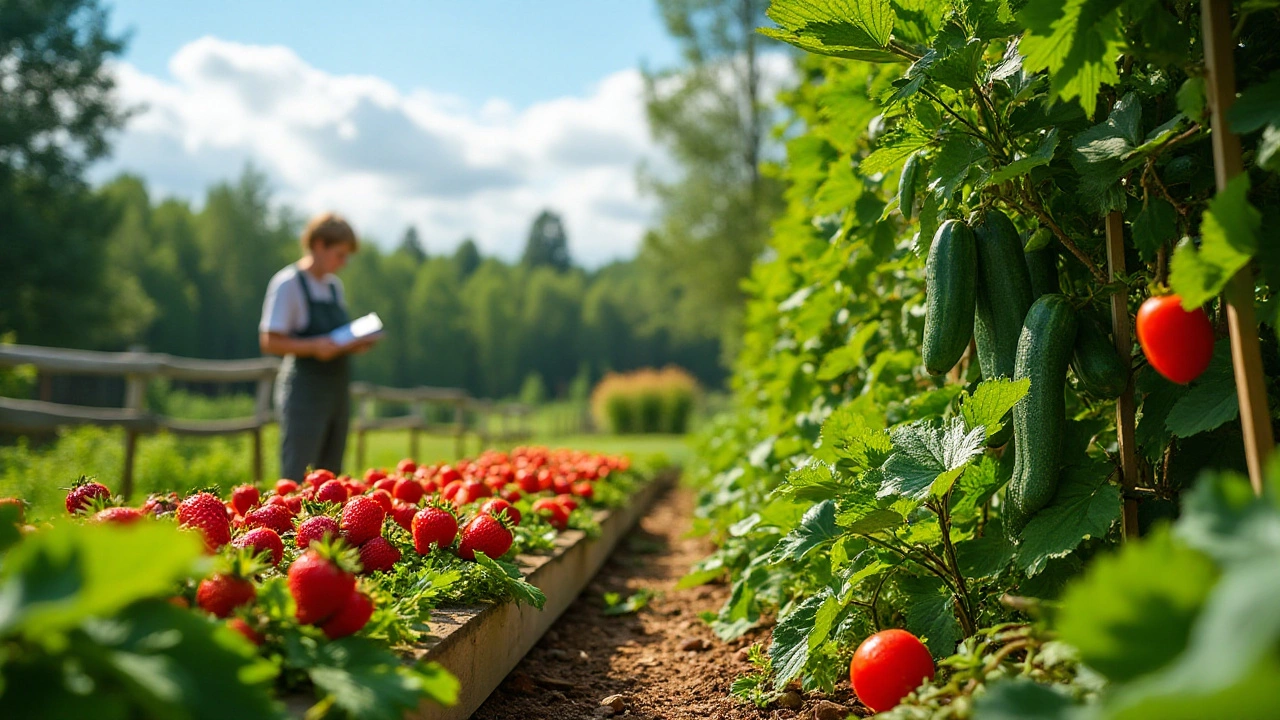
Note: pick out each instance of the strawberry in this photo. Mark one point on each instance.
(447, 475)
(243, 628)
(332, 491)
(433, 525)
(383, 498)
(220, 594)
(471, 491)
(498, 505)
(561, 485)
(362, 519)
(319, 583)
(373, 475)
(284, 487)
(206, 513)
(403, 514)
(294, 503)
(527, 481)
(554, 513)
(584, 489)
(353, 615)
(158, 504)
(569, 502)
(318, 477)
(386, 483)
(119, 515)
(276, 517)
(406, 466)
(17, 503)
(260, 540)
(377, 555)
(83, 492)
(451, 489)
(407, 490)
(280, 500)
(485, 534)
(315, 529)
(511, 494)
(243, 498)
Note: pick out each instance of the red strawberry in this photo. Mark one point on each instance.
(569, 502)
(527, 481)
(511, 494)
(403, 514)
(276, 517)
(451, 489)
(433, 525)
(584, 489)
(119, 515)
(407, 490)
(294, 503)
(243, 498)
(315, 529)
(355, 612)
(319, 586)
(377, 555)
(158, 504)
(243, 628)
(561, 485)
(220, 594)
(22, 507)
(362, 519)
(554, 513)
(280, 500)
(284, 487)
(332, 491)
(471, 491)
(383, 498)
(448, 474)
(206, 513)
(497, 505)
(406, 466)
(386, 483)
(262, 539)
(485, 534)
(373, 475)
(319, 477)
(83, 493)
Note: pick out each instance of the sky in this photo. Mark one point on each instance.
(460, 117)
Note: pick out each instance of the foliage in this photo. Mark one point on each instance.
(849, 490)
(645, 401)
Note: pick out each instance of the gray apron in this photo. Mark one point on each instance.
(313, 396)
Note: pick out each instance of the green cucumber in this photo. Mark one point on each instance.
(1003, 298)
(1040, 417)
(950, 285)
(1042, 265)
(907, 185)
(1098, 366)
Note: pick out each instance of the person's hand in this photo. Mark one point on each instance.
(361, 345)
(325, 349)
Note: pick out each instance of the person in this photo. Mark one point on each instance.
(304, 303)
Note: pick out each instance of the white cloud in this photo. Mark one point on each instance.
(386, 158)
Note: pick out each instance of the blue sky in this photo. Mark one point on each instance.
(520, 51)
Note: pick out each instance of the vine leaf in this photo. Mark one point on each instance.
(1211, 402)
(1154, 226)
(799, 632)
(991, 401)
(931, 614)
(852, 441)
(849, 356)
(1084, 506)
(817, 527)
(953, 163)
(1023, 165)
(858, 31)
(1077, 41)
(1229, 239)
(928, 459)
(1020, 698)
(1100, 151)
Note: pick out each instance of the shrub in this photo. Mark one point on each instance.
(645, 401)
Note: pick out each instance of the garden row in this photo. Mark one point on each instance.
(943, 428)
(208, 606)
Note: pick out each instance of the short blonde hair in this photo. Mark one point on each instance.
(330, 229)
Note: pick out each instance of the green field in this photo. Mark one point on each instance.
(164, 462)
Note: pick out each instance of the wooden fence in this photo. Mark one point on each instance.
(139, 368)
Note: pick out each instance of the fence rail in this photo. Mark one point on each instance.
(468, 414)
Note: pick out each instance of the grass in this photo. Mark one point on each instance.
(41, 473)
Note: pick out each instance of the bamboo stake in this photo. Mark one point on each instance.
(1129, 472)
(1246, 357)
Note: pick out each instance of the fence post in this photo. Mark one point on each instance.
(419, 411)
(262, 415)
(135, 399)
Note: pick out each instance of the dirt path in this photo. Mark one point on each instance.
(664, 661)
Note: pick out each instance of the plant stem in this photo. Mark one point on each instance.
(944, 519)
(1037, 208)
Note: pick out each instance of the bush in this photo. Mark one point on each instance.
(645, 401)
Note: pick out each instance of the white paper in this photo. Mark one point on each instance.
(368, 326)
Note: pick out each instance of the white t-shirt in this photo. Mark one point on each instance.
(284, 310)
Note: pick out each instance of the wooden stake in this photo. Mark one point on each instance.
(1129, 472)
(1246, 357)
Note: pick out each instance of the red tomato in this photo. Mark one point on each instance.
(888, 666)
(1177, 343)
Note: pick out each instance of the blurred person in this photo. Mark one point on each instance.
(304, 304)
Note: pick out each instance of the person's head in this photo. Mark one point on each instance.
(329, 240)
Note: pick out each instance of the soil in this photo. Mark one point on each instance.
(664, 661)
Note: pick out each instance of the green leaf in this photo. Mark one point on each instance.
(1099, 152)
(614, 604)
(931, 614)
(817, 527)
(991, 401)
(851, 439)
(849, 356)
(1229, 240)
(1211, 401)
(520, 589)
(1043, 155)
(366, 679)
(890, 155)
(957, 157)
(984, 557)
(1222, 517)
(927, 459)
(857, 31)
(1085, 506)
(865, 523)
(1156, 225)
(1020, 699)
(1191, 100)
(1132, 612)
(1257, 107)
(798, 633)
(1077, 41)
(980, 481)
(56, 578)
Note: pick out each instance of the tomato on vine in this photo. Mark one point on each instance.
(1177, 343)
(887, 666)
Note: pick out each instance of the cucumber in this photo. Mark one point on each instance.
(907, 185)
(1040, 417)
(1098, 366)
(1042, 265)
(950, 285)
(1004, 293)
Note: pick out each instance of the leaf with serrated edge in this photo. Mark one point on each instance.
(1085, 506)
(991, 401)
(931, 614)
(1229, 238)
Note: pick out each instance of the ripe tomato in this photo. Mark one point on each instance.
(888, 666)
(1177, 343)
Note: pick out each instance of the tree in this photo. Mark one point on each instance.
(467, 259)
(710, 116)
(548, 245)
(411, 245)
